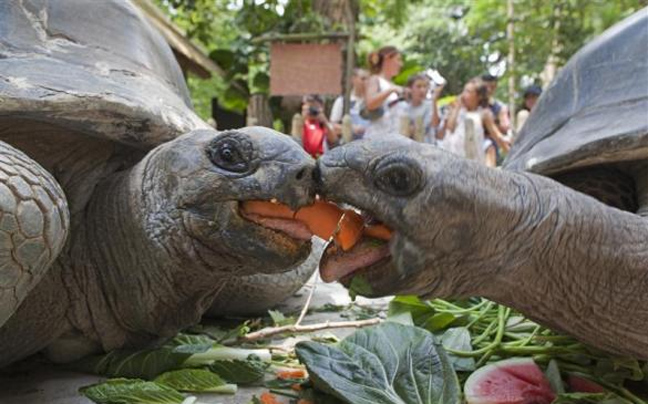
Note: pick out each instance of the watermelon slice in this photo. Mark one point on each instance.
(512, 381)
(578, 384)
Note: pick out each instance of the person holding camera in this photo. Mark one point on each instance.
(318, 134)
(382, 95)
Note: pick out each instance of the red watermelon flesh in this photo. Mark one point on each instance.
(512, 381)
(578, 384)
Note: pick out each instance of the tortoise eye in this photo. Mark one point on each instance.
(231, 154)
(398, 177)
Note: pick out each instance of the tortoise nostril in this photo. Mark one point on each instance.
(317, 175)
(301, 173)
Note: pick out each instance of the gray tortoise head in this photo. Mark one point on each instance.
(93, 95)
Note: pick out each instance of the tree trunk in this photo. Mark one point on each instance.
(551, 65)
(258, 111)
(510, 30)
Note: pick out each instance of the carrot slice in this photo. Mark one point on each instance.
(268, 209)
(268, 398)
(291, 374)
(349, 230)
(379, 231)
(321, 218)
(324, 219)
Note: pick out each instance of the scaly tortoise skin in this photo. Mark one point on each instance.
(119, 218)
(570, 252)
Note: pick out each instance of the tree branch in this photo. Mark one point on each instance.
(294, 329)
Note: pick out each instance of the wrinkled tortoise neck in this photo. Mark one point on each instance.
(133, 261)
(567, 250)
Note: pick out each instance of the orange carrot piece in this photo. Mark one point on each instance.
(321, 218)
(379, 231)
(349, 230)
(296, 387)
(291, 374)
(268, 398)
(268, 209)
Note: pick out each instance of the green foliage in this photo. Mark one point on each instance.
(388, 363)
(465, 38)
(123, 391)
(461, 38)
(195, 380)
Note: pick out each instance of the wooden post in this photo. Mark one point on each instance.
(510, 28)
(347, 128)
(258, 111)
(297, 127)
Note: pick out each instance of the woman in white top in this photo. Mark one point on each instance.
(382, 96)
(465, 127)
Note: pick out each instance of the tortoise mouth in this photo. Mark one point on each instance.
(370, 255)
(283, 227)
(367, 255)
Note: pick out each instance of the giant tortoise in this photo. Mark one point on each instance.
(571, 253)
(100, 145)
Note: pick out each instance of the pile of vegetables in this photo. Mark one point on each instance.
(497, 355)
(472, 351)
(188, 363)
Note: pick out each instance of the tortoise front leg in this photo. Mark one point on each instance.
(34, 222)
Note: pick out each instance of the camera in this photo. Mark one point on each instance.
(313, 111)
(436, 77)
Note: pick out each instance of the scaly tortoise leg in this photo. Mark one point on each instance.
(34, 222)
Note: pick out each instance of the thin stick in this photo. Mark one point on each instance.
(294, 329)
(308, 300)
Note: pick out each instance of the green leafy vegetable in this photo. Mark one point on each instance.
(195, 380)
(279, 319)
(123, 391)
(181, 352)
(240, 372)
(458, 339)
(388, 363)
(145, 364)
(223, 353)
(553, 376)
(420, 310)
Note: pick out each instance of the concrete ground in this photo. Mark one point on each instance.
(31, 382)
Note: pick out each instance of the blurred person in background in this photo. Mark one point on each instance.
(318, 134)
(531, 95)
(358, 123)
(498, 108)
(470, 130)
(421, 112)
(382, 95)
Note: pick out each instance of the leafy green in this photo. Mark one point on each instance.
(553, 376)
(195, 380)
(223, 353)
(124, 391)
(359, 286)
(144, 364)
(279, 319)
(388, 363)
(421, 311)
(240, 372)
(458, 339)
(183, 351)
